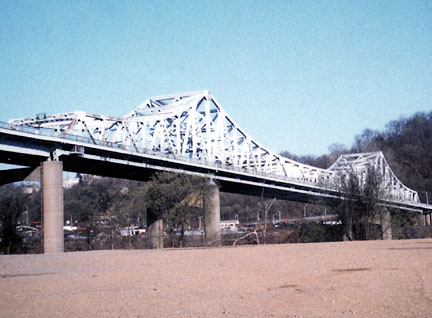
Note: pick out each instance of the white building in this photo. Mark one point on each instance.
(131, 231)
(230, 225)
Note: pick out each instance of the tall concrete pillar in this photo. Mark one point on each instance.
(386, 225)
(155, 234)
(428, 219)
(212, 216)
(420, 220)
(52, 200)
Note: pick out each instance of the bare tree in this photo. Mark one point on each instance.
(266, 206)
(359, 211)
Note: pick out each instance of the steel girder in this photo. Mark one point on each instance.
(195, 126)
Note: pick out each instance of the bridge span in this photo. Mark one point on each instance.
(186, 133)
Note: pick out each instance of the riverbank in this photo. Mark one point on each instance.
(341, 279)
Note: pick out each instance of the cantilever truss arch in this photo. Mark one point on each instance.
(195, 126)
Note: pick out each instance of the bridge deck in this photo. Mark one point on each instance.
(29, 147)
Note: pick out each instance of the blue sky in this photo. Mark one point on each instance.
(296, 75)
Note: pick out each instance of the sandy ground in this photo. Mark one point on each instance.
(344, 279)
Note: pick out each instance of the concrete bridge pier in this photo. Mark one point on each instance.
(419, 219)
(386, 225)
(155, 234)
(52, 204)
(212, 215)
(428, 219)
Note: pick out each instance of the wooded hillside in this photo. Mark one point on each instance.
(406, 144)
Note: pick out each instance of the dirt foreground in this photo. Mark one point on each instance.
(344, 279)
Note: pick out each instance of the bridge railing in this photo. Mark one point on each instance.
(47, 132)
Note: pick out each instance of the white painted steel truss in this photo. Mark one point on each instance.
(194, 126)
(359, 163)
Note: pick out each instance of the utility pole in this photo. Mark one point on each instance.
(427, 202)
(199, 222)
(27, 218)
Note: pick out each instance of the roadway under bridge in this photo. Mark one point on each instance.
(186, 133)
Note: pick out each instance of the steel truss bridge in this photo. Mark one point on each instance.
(187, 133)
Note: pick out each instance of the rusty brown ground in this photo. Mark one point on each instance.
(344, 279)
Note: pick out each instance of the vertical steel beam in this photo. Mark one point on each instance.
(52, 199)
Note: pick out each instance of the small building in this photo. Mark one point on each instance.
(230, 225)
(132, 230)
